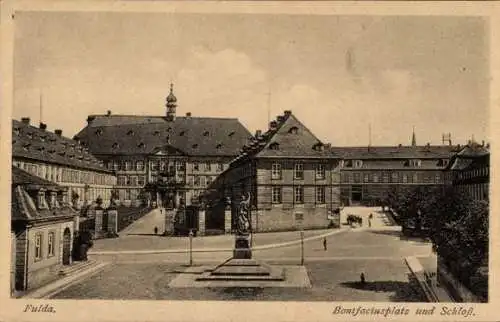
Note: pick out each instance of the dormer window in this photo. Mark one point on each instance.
(156, 133)
(318, 147)
(26, 146)
(115, 145)
(42, 138)
(41, 149)
(169, 130)
(130, 132)
(415, 163)
(219, 146)
(195, 146)
(231, 134)
(182, 133)
(274, 146)
(141, 145)
(98, 132)
(358, 163)
(29, 135)
(17, 131)
(205, 133)
(293, 130)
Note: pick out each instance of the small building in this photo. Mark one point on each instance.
(292, 177)
(42, 229)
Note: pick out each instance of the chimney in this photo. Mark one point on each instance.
(108, 113)
(400, 145)
(482, 144)
(188, 114)
(58, 132)
(43, 126)
(288, 113)
(25, 120)
(280, 118)
(273, 125)
(258, 133)
(487, 145)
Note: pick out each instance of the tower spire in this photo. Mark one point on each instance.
(413, 138)
(171, 104)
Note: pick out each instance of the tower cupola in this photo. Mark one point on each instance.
(171, 104)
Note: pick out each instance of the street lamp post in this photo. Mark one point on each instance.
(190, 247)
(301, 247)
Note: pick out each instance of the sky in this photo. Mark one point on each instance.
(340, 75)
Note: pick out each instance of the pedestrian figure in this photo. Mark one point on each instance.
(362, 278)
(369, 222)
(161, 211)
(324, 244)
(156, 230)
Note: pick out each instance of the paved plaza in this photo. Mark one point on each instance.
(145, 270)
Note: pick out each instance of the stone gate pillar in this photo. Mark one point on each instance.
(98, 222)
(169, 221)
(112, 220)
(201, 221)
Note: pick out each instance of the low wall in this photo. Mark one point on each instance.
(455, 288)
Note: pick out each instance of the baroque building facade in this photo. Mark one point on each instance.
(368, 173)
(165, 160)
(61, 160)
(292, 177)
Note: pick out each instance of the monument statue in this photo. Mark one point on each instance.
(243, 223)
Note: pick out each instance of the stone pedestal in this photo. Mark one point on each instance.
(201, 222)
(113, 221)
(169, 221)
(227, 221)
(242, 247)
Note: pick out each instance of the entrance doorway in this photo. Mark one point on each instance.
(192, 214)
(356, 194)
(66, 247)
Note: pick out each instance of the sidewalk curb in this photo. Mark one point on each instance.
(214, 250)
(57, 286)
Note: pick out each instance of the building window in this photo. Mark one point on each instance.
(320, 195)
(208, 167)
(154, 165)
(357, 177)
(358, 163)
(320, 171)
(405, 178)
(415, 178)
(438, 178)
(298, 172)
(365, 177)
(220, 166)
(121, 180)
(276, 195)
(133, 181)
(298, 195)
(395, 177)
(51, 244)
(203, 181)
(274, 146)
(293, 130)
(140, 180)
(139, 165)
(196, 181)
(196, 167)
(375, 178)
(276, 171)
(38, 246)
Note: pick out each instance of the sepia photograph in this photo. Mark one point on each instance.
(209, 155)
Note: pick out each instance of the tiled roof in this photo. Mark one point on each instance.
(31, 142)
(469, 156)
(195, 136)
(286, 138)
(23, 208)
(396, 152)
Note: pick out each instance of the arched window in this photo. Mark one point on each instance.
(293, 130)
(274, 146)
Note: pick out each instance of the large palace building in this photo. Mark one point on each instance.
(61, 160)
(368, 173)
(166, 160)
